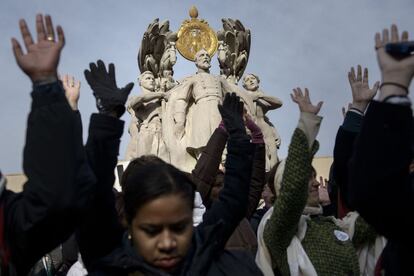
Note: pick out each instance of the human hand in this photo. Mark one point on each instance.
(232, 114)
(323, 192)
(361, 93)
(109, 98)
(72, 90)
(42, 58)
(304, 102)
(395, 71)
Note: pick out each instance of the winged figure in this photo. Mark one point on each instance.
(157, 52)
(233, 49)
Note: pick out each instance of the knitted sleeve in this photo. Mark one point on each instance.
(364, 233)
(282, 225)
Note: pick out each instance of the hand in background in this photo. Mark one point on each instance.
(304, 102)
(361, 93)
(323, 192)
(110, 99)
(393, 71)
(232, 114)
(72, 90)
(42, 58)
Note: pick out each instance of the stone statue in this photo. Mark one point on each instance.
(157, 54)
(233, 49)
(262, 104)
(197, 98)
(146, 124)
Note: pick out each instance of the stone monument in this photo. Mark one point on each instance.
(175, 119)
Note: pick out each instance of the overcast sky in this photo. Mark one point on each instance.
(294, 43)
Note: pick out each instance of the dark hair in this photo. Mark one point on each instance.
(147, 178)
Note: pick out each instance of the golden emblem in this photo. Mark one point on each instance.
(194, 35)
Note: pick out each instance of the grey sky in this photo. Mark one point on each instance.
(294, 43)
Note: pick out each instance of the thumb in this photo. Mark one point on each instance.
(319, 106)
(127, 89)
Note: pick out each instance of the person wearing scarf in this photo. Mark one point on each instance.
(293, 236)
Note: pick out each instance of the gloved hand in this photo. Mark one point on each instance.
(232, 114)
(109, 98)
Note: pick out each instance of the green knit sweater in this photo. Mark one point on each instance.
(328, 255)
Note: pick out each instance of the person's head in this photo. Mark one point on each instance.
(203, 59)
(251, 82)
(313, 184)
(147, 81)
(158, 202)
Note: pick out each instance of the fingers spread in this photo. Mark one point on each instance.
(394, 33)
(24, 30)
(40, 28)
(385, 36)
(359, 73)
(365, 78)
(49, 28)
(17, 49)
(101, 67)
(61, 36)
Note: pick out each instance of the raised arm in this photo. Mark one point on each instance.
(282, 225)
(59, 181)
(101, 232)
(230, 208)
(362, 94)
(379, 170)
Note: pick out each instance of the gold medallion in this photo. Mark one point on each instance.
(194, 35)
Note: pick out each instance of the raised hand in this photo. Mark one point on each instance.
(110, 99)
(232, 114)
(361, 93)
(304, 102)
(42, 58)
(72, 90)
(394, 71)
(323, 192)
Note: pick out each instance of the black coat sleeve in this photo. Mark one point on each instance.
(344, 144)
(206, 169)
(380, 186)
(231, 206)
(59, 181)
(101, 232)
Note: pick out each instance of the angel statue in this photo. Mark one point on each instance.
(262, 104)
(233, 49)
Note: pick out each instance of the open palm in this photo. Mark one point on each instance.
(42, 58)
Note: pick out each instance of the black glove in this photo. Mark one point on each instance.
(232, 114)
(109, 98)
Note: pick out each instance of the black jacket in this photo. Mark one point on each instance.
(59, 183)
(380, 186)
(103, 246)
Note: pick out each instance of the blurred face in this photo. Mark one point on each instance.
(147, 81)
(202, 60)
(251, 83)
(162, 230)
(313, 197)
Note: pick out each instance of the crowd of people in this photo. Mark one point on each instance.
(69, 220)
